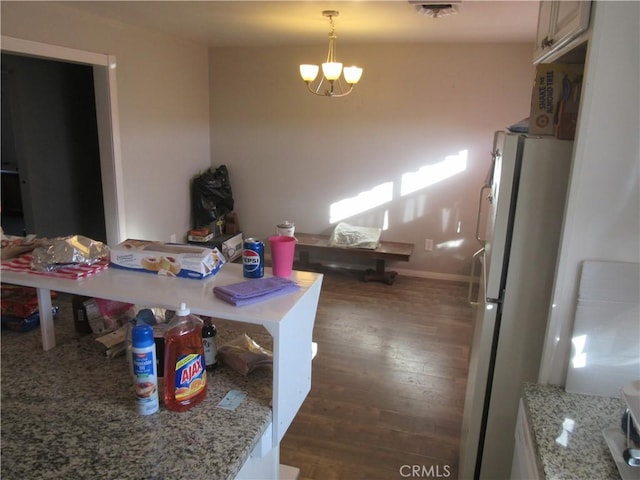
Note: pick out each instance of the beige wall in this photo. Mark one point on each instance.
(163, 91)
(291, 155)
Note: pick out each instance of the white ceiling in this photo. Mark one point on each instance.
(252, 23)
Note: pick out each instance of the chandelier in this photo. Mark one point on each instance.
(331, 69)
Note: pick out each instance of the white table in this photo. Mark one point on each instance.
(289, 319)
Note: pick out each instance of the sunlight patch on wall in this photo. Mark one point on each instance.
(362, 202)
(415, 207)
(431, 174)
(451, 244)
(446, 216)
(410, 182)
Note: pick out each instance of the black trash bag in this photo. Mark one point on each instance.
(211, 196)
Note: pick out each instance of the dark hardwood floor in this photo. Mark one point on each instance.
(388, 381)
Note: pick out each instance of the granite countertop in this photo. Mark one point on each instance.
(568, 429)
(70, 413)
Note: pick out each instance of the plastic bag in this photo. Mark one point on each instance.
(211, 196)
(20, 302)
(244, 355)
(345, 235)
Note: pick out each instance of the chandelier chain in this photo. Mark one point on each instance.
(331, 54)
(332, 26)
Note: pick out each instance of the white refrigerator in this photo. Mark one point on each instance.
(523, 203)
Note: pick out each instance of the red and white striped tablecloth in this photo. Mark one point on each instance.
(72, 271)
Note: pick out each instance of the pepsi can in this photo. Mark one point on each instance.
(253, 258)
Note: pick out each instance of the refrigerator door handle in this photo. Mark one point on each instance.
(482, 241)
(497, 301)
(473, 271)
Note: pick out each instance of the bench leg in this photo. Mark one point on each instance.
(370, 275)
(380, 274)
(305, 263)
(304, 259)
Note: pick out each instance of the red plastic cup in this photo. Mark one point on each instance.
(282, 252)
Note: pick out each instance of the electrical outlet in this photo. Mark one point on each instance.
(428, 245)
(172, 238)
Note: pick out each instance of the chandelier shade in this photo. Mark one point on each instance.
(309, 72)
(352, 74)
(331, 70)
(330, 85)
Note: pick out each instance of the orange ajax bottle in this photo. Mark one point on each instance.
(185, 376)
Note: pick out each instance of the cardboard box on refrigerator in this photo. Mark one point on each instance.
(555, 99)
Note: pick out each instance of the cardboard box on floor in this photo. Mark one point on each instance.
(98, 315)
(555, 100)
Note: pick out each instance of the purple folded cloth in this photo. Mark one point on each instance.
(255, 290)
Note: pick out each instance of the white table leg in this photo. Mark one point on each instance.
(292, 352)
(46, 319)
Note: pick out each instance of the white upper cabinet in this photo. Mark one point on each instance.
(559, 22)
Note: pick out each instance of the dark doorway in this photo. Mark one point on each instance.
(51, 180)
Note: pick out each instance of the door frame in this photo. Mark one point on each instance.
(107, 117)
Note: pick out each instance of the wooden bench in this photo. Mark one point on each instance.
(394, 251)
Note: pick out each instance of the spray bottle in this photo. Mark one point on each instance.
(145, 369)
(185, 376)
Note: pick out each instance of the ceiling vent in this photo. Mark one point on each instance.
(436, 9)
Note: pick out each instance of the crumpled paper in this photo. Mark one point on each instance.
(12, 246)
(63, 251)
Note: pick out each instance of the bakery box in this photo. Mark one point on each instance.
(170, 259)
